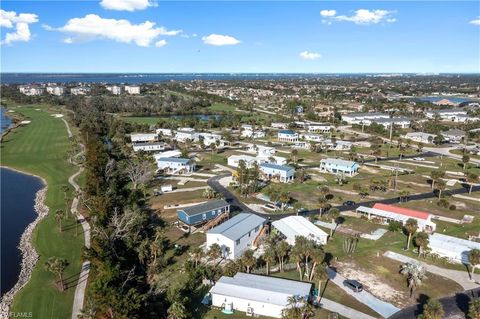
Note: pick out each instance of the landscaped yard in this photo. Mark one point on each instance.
(41, 148)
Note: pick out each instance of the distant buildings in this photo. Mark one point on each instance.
(338, 167)
(234, 160)
(363, 118)
(143, 137)
(202, 213)
(256, 295)
(384, 214)
(280, 126)
(420, 137)
(164, 131)
(31, 90)
(184, 134)
(402, 122)
(281, 173)
(55, 90)
(80, 90)
(149, 146)
(319, 128)
(293, 226)
(132, 89)
(114, 89)
(261, 150)
(454, 115)
(250, 131)
(173, 165)
(236, 235)
(454, 136)
(287, 136)
(445, 102)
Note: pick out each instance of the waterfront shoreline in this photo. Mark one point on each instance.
(29, 254)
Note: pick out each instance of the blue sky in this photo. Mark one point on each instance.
(227, 36)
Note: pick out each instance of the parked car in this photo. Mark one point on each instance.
(353, 284)
(302, 211)
(418, 159)
(270, 206)
(349, 203)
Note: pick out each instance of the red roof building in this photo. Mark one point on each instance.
(403, 211)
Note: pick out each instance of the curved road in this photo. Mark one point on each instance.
(214, 183)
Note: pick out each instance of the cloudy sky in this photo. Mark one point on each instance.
(227, 36)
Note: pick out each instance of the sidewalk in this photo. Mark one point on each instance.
(342, 310)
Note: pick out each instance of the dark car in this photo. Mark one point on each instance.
(302, 211)
(353, 284)
(349, 203)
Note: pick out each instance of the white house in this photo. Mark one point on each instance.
(338, 166)
(339, 145)
(402, 122)
(312, 137)
(173, 165)
(184, 134)
(209, 138)
(143, 137)
(453, 248)
(272, 160)
(55, 90)
(164, 131)
(114, 89)
(261, 150)
(251, 132)
(174, 153)
(132, 89)
(386, 213)
(301, 145)
(234, 160)
(448, 114)
(420, 137)
(280, 126)
(149, 146)
(236, 235)
(363, 118)
(80, 90)
(256, 295)
(454, 136)
(31, 90)
(293, 226)
(319, 128)
(282, 173)
(287, 136)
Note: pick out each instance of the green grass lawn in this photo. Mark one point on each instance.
(41, 148)
(222, 107)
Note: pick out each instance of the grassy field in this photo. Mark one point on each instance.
(222, 107)
(41, 148)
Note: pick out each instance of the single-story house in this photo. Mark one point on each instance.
(454, 136)
(256, 295)
(272, 160)
(132, 89)
(184, 134)
(339, 145)
(280, 126)
(114, 89)
(293, 226)
(387, 213)
(453, 248)
(173, 165)
(202, 213)
(143, 137)
(420, 137)
(282, 173)
(339, 166)
(149, 146)
(173, 153)
(402, 122)
(261, 150)
(447, 114)
(236, 235)
(234, 160)
(79, 90)
(287, 136)
(319, 128)
(164, 131)
(363, 118)
(312, 137)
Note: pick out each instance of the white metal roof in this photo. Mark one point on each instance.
(293, 226)
(238, 226)
(260, 288)
(452, 244)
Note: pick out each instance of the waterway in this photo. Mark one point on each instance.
(17, 194)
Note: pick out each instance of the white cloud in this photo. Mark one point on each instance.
(219, 40)
(365, 16)
(10, 19)
(127, 5)
(160, 43)
(475, 22)
(328, 13)
(306, 55)
(93, 27)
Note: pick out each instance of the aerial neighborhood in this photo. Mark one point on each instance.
(247, 199)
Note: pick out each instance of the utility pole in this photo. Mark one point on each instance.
(396, 177)
(391, 132)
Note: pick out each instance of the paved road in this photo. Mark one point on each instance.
(446, 152)
(460, 277)
(383, 308)
(214, 183)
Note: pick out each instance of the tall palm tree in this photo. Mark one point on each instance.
(249, 260)
(472, 178)
(320, 274)
(281, 251)
(465, 160)
(214, 252)
(441, 185)
(197, 254)
(318, 257)
(57, 266)
(297, 257)
(269, 257)
(422, 241)
(474, 258)
(435, 176)
(59, 215)
(415, 273)
(333, 213)
(433, 310)
(322, 204)
(410, 227)
(177, 311)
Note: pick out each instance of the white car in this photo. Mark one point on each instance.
(418, 159)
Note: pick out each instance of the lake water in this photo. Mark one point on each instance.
(17, 193)
(438, 98)
(5, 121)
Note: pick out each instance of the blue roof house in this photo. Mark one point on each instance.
(282, 173)
(339, 167)
(202, 213)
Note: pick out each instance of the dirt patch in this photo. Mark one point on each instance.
(374, 284)
(369, 169)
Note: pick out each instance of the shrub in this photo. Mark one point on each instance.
(452, 207)
(394, 226)
(443, 203)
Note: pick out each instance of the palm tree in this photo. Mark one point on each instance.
(333, 213)
(281, 251)
(474, 309)
(472, 178)
(249, 260)
(57, 266)
(59, 215)
(269, 257)
(197, 254)
(465, 160)
(433, 310)
(421, 240)
(297, 257)
(415, 273)
(292, 310)
(441, 185)
(410, 227)
(209, 193)
(214, 252)
(177, 311)
(435, 176)
(320, 274)
(318, 257)
(322, 204)
(474, 258)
